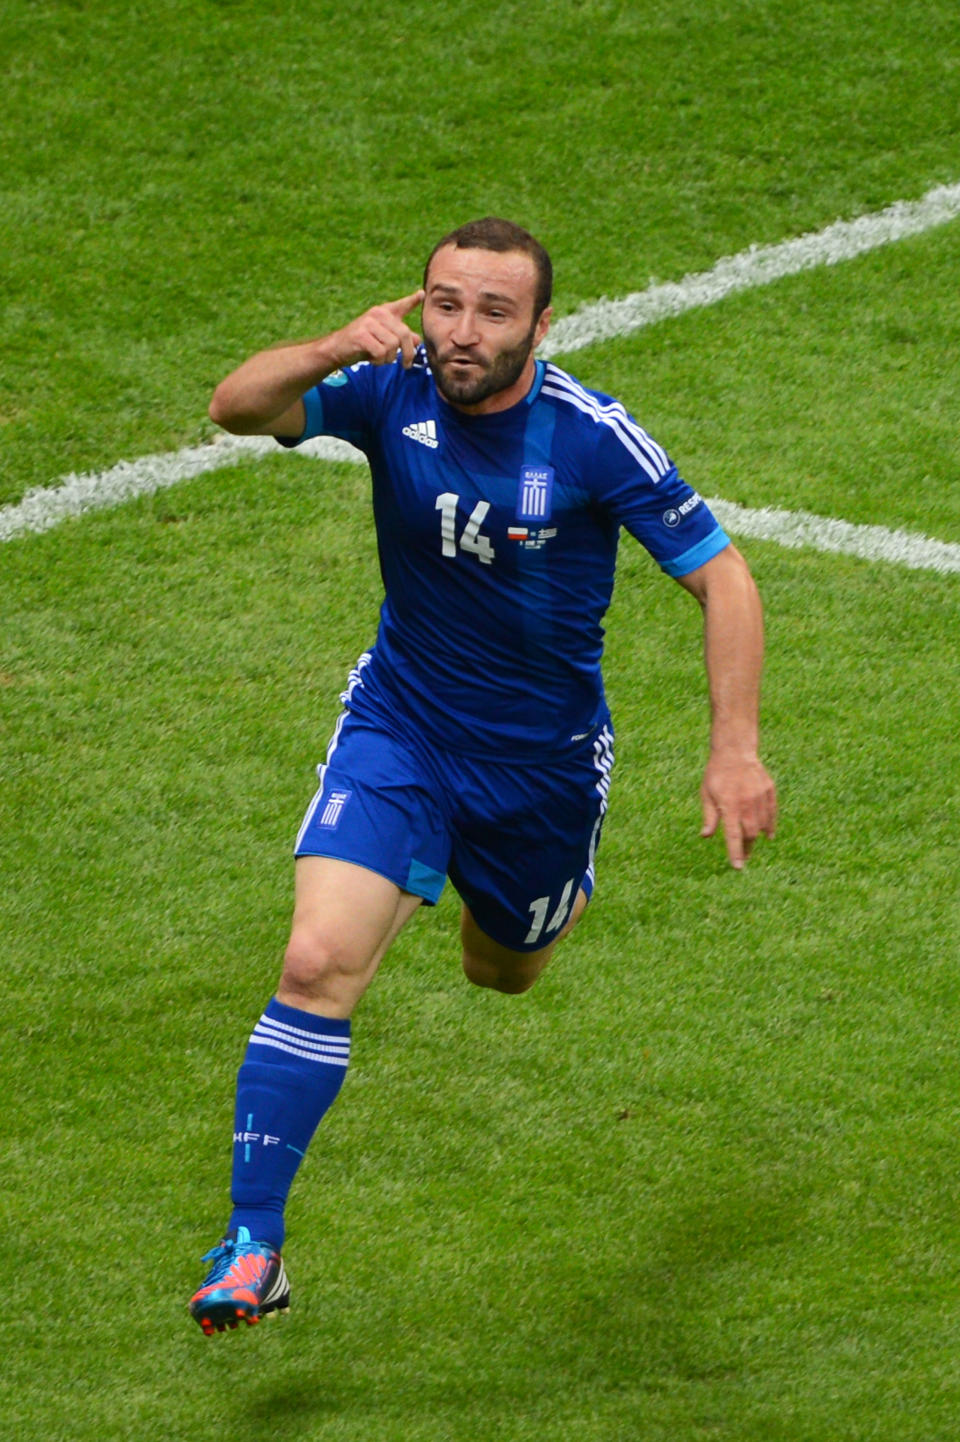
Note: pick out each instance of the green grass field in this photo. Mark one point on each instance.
(702, 1181)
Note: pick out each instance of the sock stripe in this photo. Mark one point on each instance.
(321, 1056)
(314, 1046)
(320, 1047)
(299, 1033)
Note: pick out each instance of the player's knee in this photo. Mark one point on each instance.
(316, 963)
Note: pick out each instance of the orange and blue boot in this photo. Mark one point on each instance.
(246, 1282)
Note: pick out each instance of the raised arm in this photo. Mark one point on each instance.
(737, 790)
(262, 397)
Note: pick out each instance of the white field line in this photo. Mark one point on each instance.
(41, 510)
(75, 495)
(804, 529)
(759, 265)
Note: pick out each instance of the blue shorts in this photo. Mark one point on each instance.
(517, 841)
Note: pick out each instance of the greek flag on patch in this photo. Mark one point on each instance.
(333, 810)
(535, 496)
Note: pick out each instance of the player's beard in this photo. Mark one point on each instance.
(497, 375)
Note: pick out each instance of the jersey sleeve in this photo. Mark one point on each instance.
(346, 405)
(639, 486)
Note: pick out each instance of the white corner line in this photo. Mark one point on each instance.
(75, 495)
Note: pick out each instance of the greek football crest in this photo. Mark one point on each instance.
(333, 809)
(535, 495)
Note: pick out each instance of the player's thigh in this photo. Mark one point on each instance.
(348, 908)
(371, 848)
(489, 964)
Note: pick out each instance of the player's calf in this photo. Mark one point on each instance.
(512, 975)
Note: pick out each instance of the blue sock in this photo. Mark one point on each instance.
(293, 1069)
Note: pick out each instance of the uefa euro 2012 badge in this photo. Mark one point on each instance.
(335, 378)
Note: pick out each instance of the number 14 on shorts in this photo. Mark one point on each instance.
(538, 915)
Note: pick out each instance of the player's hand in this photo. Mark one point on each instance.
(379, 333)
(738, 793)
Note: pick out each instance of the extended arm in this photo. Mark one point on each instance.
(263, 395)
(736, 789)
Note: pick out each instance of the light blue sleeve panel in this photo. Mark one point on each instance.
(698, 555)
(313, 405)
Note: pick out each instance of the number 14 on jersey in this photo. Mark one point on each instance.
(471, 538)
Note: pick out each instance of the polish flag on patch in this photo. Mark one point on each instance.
(517, 533)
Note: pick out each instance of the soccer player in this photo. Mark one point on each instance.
(475, 741)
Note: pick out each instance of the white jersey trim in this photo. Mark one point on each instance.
(644, 449)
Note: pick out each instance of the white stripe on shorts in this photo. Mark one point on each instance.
(354, 680)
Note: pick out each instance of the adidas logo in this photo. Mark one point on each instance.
(423, 431)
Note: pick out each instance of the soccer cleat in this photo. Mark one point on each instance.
(246, 1282)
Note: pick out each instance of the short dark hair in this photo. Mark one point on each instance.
(492, 233)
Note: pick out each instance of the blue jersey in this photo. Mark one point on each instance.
(497, 539)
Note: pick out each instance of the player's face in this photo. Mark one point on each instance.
(479, 327)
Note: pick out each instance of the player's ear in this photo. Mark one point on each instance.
(543, 325)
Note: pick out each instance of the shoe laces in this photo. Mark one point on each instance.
(225, 1253)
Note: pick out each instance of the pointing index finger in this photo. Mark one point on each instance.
(405, 303)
